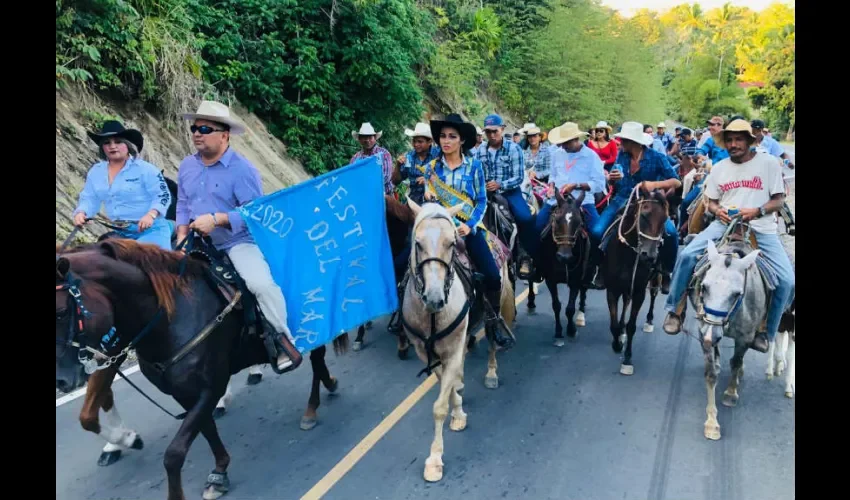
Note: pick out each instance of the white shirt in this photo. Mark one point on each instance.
(747, 185)
(576, 168)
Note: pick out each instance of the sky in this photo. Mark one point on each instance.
(629, 7)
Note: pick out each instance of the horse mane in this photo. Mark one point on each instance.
(162, 267)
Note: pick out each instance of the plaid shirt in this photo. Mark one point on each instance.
(654, 166)
(468, 179)
(411, 170)
(505, 166)
(540, 162)
(688, 148)
(386, 165)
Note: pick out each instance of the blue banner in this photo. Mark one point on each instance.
(326, 242)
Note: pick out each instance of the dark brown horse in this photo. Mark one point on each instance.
(629, 266)
(563, 259)
(126, 286)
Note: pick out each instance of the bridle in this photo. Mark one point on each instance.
(416, 265)
(636, 225)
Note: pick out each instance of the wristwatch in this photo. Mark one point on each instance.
(762, 212)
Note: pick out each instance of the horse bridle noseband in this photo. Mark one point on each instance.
(416, 271)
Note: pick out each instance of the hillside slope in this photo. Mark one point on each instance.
(167, 141)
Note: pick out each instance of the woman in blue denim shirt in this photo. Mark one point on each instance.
(132, 190)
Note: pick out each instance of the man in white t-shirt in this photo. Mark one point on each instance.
(752, 182)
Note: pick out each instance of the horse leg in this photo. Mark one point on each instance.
(99, 395)
(571, 310)
(434, 462)
(320, 374)
(552, 285)
(648, 327)
(491, 380)
(711, 428)
(730, 396)
(458, 420)
(626, 367)
(582, 298)
(255, 376)
(198, 412)
(221, 406)
(616, 344)
(531, 295)
(358, 342)
(791, 373)
(217, 483)
(403, 346)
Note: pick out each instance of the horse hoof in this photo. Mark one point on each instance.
(433, 470)
(769, 375)
(334, 385)
(217, 485)
(572, 336)
(457, 424)
(789, 394)
(219, 412)
(531, 307)
(108, 458)
(730, 400)
(558, 343)
(254, 378)
(712, 432)
(307, 423)
(491, 382)
(213, 492)
(402, 353)
(648, 328)
(138, 444)
(627, 369)
(580, 319)
(357, 345)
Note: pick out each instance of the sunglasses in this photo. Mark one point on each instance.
(205, 129)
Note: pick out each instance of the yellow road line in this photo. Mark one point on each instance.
(367, 443)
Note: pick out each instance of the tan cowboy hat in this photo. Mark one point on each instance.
(604, 124)
(219, 113)
(734, 126)
(366, 129)
(661, 125)
(566, 132)
(421, 130)
(633, 131)
(530, 129)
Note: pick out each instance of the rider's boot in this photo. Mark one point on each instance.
(672, 324)
(495, 324)
(526, 266)
(283, 355)
(594, 276)
(395, 327)
(760, 342)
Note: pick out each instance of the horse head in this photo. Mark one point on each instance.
(651, 215)
(432, 252)
(567, 224)
(722, 290)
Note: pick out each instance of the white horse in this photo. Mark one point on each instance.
(781, 354)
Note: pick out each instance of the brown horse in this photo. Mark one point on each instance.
(120, 291)
(629, 266)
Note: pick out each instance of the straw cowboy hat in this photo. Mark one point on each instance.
(604, 124)
(478, 129)
(633, 131)
(530, 129)
(366, 129)
(421, 130)
(219, 113)
(734, 126)
(661, 125)
(468, 134)
(112, 128)
(566, 132)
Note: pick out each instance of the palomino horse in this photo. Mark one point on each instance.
(438, 314)
(117, 286)
(629, 266)
(563, 259)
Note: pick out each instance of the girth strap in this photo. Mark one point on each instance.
(435, 336)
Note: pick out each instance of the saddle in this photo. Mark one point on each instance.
(465, 268)
(499, 218)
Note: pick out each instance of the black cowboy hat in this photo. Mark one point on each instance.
(112, 128)
(468, 134)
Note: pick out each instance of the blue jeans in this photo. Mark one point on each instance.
(771, 249)
(524, 220)
(159, 233)
(669, 243)
(482, 258)
(591, 216)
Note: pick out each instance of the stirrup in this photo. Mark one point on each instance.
(274, 347)
(525, 276)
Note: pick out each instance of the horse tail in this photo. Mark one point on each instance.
(341, 344)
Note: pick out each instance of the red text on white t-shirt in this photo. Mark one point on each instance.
(754, 183)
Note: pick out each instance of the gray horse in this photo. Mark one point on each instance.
(732, 301)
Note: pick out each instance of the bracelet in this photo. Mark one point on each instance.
(215, 221)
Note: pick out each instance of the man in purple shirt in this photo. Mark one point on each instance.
(211, 185)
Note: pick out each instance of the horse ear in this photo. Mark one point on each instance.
(63, 265)
(558, 195)
(109, 249)
(455, 209)
(580, 198)
(747, 261)
(414, 206)
(712, 250)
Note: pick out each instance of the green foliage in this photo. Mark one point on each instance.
(701, 94)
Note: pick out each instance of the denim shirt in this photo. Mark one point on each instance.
(654, 166)
(505, 166)
(136, 189)
(414, 168)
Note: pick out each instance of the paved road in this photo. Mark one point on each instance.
(563, 425)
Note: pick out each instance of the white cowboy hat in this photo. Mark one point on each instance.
(366, 129)
(530, 129)
(661, 125)
(219, 113)
(421, 130)
(633, 131)
(566, 132)
(604, 124)
(478, 130)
